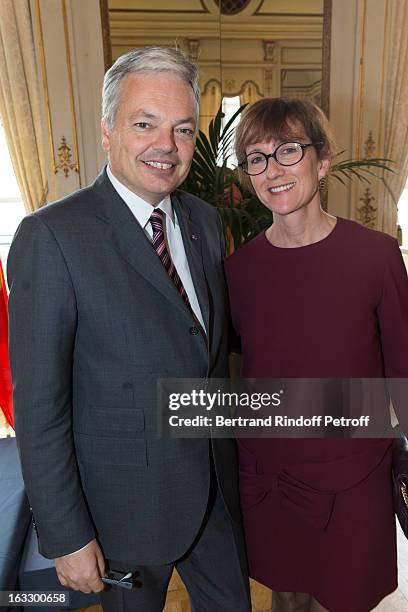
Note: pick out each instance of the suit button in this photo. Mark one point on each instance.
(194, 330)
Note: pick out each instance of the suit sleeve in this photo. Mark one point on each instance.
(393, 321)
(42, 328)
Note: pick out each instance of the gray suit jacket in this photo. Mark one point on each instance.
(94, 322)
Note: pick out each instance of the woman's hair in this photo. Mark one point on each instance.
(146, 60)
(280, 119)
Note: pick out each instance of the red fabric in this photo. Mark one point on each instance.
(6, 403)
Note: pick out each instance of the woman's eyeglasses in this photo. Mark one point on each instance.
(286, 154)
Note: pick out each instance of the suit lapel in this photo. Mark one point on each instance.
(192, 240)
(130, 241)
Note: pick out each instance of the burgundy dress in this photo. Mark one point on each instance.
(318, 514)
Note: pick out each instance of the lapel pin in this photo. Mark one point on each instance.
(194, 236)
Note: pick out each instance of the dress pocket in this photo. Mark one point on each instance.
(251, 483)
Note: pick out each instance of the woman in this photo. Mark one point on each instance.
(320, 297)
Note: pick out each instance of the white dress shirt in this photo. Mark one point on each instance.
(142, 211)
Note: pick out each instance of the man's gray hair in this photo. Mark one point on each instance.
(145, 60)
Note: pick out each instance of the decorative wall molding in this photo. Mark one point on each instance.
(231, 87)
(200, 8)
(131, 26)
(367, 213)
(210, 83)
(65, 159)
(369, 146)
(267, 8)
(46, 91)
(71, 87)
(193, 46)
(269, 77)
(361, 78)
(270, 51)
(326, 56)
(69, 49)
(106, 37)
(356, 101)
(44, 75)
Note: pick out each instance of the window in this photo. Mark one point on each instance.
(11, 205)
(229, 107)
(403, 216)
(403, 222)
(232, 7)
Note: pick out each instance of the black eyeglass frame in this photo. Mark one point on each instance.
(273, 155)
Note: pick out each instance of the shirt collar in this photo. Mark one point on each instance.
(139, 207)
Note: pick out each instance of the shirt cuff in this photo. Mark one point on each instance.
(79, 550)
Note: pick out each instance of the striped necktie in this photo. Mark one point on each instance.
(159, 245)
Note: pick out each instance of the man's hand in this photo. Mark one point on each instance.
(82, 570)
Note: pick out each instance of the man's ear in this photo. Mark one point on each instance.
(105, 135)
(323, 166)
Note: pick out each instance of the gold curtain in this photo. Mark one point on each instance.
(20, 101)
(249, 94)
(396, 115)
(209, 104)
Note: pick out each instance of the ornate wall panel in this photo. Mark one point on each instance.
(356, 98)
(69, 50)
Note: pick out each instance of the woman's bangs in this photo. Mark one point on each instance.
(269, 126)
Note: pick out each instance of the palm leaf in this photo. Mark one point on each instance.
(205, 143)
(231, 121)
(214, 131)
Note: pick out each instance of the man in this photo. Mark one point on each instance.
(113, 288)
